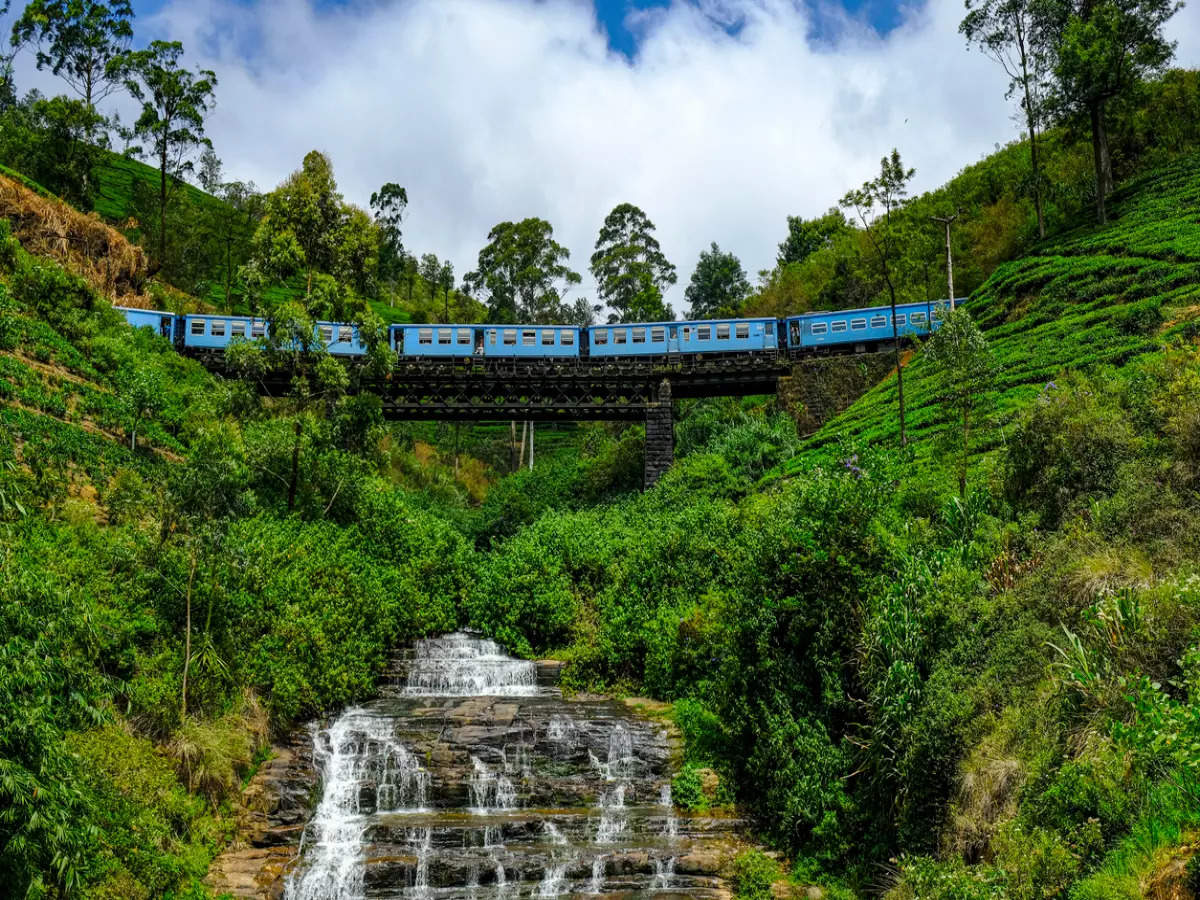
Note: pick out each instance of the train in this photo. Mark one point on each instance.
(848, 329)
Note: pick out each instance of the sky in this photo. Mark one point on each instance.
(719, 118)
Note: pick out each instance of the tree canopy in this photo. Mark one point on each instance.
(84, 42)
(523, 273)
(630, 269)
(308, 230)
(718, 285)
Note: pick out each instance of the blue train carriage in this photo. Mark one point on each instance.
(870, 325)
(163, 323)
(208, 332)
(487, 341)
(696, 336)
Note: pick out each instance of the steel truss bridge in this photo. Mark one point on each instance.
(556, 390)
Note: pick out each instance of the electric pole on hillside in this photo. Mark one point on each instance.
(948, 221)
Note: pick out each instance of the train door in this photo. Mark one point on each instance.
(673, 340)
(164, 326)
(794, 333)
(479, 342)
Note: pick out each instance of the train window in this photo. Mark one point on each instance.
(345, 334)
(741, 331)
(528, 338)
(600, 337)
(218, 328)
(819, 327)
(547, 337)
(444, 336)
(464, 336)
(510, 337)
(722, 332)
(237, 329)
(704, 333)
(918, 318)
(687, 332)
(258, 329)
(899, 320)
(858, 324)
(424, 335)
(492, 336)
(568, 339)
(327, 334)
(197, 326)
(837, 326)
(878, 321)
(639, 335)
(658, 335)
(620, 335)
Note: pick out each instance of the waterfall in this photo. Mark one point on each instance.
(459, 665)
(490, 791)
(466, 780)
(671, 827)
(597, 883)
(357, 751)
(664, 871)
(554, 881)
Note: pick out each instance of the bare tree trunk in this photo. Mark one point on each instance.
(512, 445)
(1104, 181)
(456, 427)
(966, 452)
(896, 354)
(293, 481)
(531, 424)
(187, 639)
(521, 457)
(162, 206)
(1037, 179)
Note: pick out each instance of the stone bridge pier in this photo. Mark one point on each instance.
(660, 434)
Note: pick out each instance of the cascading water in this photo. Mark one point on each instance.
(357, 752)
(471, 777)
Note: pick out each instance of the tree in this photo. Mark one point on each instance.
(445, 280)
(174, 104)
(229, 230)
(963, 369)
(718, 286)
(1006, 31)
(876, 204)
(807, 236)
(1100, 50)
(308, 230)
(141, 395)
(389, 204)
(210, 175)
(522, 273)
(84, 42)
(630, 269)
(50, 141)
(430, 269)
(8, 54)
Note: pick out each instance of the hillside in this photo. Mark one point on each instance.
(1090, 297)
(978, 697)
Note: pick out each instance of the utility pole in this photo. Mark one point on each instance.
(948, 221)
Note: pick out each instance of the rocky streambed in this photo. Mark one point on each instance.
(472, 777)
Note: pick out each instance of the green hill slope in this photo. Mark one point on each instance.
(1091, 297)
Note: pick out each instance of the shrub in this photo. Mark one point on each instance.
(1070, 445)
(753, 874)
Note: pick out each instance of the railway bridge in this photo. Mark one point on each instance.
(544, 390)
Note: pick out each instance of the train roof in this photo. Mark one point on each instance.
(873, 309)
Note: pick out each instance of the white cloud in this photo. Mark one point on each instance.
(489, 110)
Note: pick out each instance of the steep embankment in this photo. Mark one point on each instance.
(1092, 297)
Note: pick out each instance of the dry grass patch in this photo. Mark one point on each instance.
(81, 243)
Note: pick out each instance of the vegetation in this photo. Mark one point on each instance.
(954, 640)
